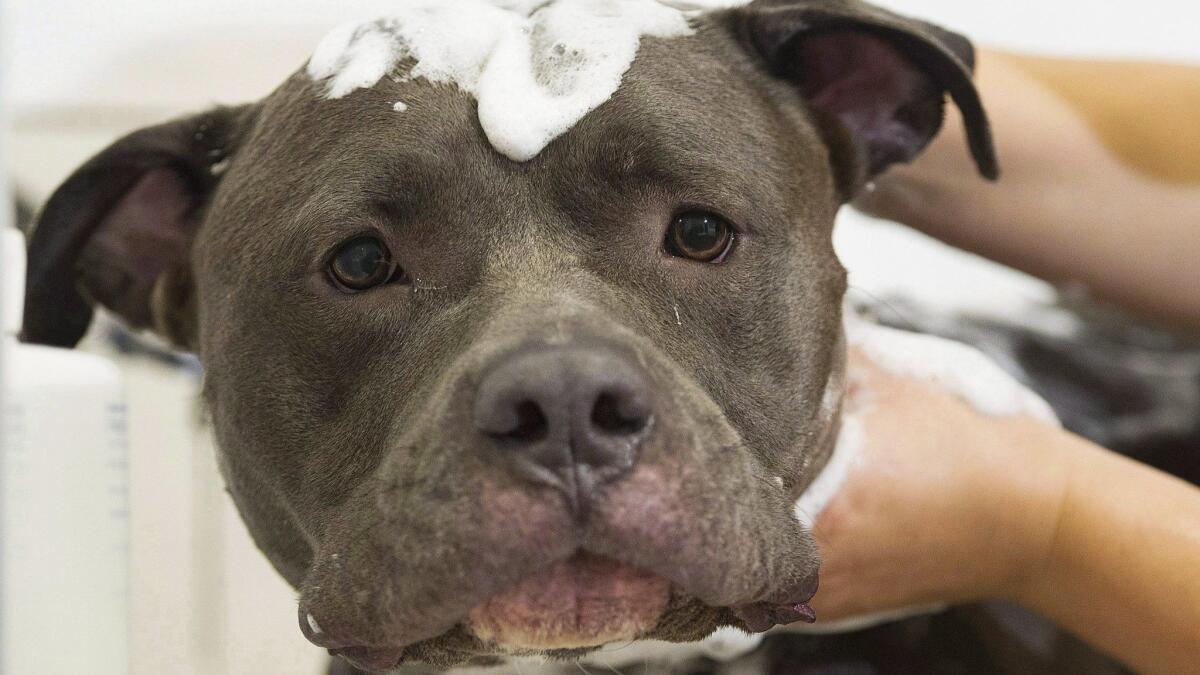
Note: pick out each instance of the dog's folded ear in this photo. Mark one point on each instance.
(118, 232)
(876, 81)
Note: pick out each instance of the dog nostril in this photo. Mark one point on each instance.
(531, 425)
(570, 418)
(608, 416)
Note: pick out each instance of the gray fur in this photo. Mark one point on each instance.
(343, 421)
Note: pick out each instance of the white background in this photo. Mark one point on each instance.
(157, 52)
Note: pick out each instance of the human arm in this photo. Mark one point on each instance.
(948, 505)
(1100, 181)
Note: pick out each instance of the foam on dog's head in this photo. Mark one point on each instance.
(536, 67)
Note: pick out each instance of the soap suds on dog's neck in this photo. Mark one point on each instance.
(951, 366)
(535, 67)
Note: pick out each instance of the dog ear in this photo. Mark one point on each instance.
(118, 232)
(875, 81)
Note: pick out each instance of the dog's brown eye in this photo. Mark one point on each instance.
(362, 263)
(700, 236)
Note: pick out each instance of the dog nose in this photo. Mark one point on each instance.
(570, 417)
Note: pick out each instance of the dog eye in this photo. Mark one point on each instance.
(362, 263)
(700, 236)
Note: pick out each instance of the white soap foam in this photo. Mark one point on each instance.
(892, 266)
(534, 67)
(399, 106)
(822, 490)
(725, 644)
(955, 367)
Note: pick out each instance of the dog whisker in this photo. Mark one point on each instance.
(882, 301)
(627, 645)
(614, 670)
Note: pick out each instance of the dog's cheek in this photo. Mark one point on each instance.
(417, 547)
(777, 393)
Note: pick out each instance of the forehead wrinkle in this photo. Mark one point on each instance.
(671, 133)
(393, 184)
(650, 166)
(400, 184)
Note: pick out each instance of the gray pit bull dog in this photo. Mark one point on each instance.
(472, 407)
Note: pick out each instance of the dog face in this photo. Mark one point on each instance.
(473, 407)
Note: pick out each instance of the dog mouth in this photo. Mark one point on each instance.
(581, 602)
(528, 579)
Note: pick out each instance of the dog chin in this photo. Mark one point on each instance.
(582, 602)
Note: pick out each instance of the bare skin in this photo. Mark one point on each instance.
(924, 496)
(1072, 205)
(969, 507)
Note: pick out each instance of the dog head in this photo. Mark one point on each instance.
(471, 406)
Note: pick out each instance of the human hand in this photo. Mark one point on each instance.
(943, 504)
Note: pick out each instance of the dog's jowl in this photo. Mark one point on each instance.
(481, 394)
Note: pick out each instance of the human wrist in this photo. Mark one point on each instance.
(1041, 498)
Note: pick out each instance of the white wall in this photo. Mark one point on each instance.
(1156, 29)
(81, 71)
(171, 54)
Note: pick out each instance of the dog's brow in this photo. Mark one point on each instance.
(390, 187)
(705, 178)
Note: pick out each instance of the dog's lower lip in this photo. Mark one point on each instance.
(583, 601)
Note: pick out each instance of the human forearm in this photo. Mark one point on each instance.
(1072, 204)
(1123, 571)
(946, 505)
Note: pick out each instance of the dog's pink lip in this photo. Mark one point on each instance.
(583, 601)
